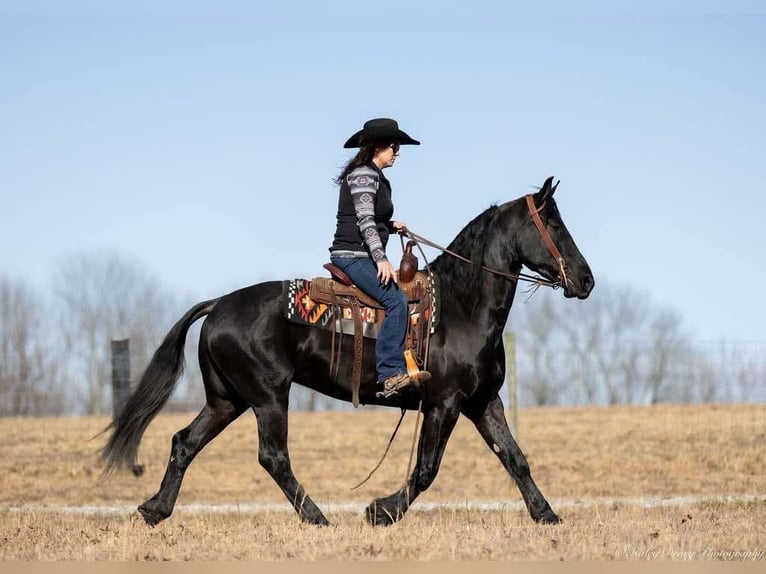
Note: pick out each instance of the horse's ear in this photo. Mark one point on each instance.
(546, 191)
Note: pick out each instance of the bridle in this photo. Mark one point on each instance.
(535, 279)
(535, 213)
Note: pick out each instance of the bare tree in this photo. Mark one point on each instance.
(614, 348)
(28, 375)
(537, 345)
(739, 369)
(666, 344)
(751, 380)
(582, 332)
(624, 314)
(102, 297)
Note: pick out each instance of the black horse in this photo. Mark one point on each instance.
(250, 355)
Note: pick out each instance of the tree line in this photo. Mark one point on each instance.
(617, 347)
(55, 346)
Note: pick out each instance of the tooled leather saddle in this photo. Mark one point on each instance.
(339, 292)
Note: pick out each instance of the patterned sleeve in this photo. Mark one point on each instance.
(363, 184)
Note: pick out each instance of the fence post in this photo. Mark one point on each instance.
(120, 374)
(510, 382)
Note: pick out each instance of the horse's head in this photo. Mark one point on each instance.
(544, 244)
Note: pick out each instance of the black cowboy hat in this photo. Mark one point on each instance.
(380, 129)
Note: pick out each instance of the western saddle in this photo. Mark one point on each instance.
(338, 291)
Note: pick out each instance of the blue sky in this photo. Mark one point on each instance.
(202, 142)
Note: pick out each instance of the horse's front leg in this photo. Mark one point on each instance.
(438, 423)
(493, 428)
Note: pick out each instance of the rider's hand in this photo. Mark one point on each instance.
(386, 272)
(398, 226)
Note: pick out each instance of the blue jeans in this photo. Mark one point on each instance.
(389, 347)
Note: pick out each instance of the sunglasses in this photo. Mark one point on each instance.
(394, 146)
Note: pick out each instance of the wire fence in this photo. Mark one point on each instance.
(715, 371)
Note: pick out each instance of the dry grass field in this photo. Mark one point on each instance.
(606, 458)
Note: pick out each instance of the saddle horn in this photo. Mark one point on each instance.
(409, 264)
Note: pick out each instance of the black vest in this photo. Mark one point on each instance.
(347, 234)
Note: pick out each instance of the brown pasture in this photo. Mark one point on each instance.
(606, 458)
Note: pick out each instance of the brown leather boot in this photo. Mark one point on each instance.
(392, 385)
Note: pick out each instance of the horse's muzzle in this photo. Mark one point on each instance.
(580, 288)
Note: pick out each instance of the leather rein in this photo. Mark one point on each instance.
(534, 279)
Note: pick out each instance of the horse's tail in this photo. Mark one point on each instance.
(153, 391)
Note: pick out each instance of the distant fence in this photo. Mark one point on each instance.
(700, 372)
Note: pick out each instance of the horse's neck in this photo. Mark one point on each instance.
(481, 310)
(478, 298)
(496, 300)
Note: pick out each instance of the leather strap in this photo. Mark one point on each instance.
(338, 324)
(356, 371)
(334, 317)
(535, 213)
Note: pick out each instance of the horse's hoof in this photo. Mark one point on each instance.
(151, 516)
(377, 515)
(548, 517)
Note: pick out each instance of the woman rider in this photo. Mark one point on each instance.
(364, 223)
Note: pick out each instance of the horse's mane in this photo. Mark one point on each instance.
(458, 279)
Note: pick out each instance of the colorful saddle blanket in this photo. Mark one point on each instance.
(300, 308)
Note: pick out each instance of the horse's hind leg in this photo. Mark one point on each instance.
(493, 428)
(274, 457)
(187, 443)
(215, 416)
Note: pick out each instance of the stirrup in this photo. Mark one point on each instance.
(413, 371)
